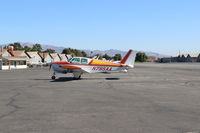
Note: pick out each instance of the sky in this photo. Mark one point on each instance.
(163, 26)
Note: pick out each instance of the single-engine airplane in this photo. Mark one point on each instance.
(80, 65)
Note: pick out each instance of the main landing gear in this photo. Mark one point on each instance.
(77, 75)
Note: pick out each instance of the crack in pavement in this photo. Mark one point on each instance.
(11, 103)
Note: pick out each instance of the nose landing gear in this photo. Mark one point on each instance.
(53, 76)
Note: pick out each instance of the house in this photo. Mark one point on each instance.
(68, 56)
(62, 57)
(194, 57)
(165, 60)
(5, 53)
(182, 58)
(46, 58)
(34, 58)
(12, 60)
(9, 62)
(152, 59)
(198, 58)
(19, 53)
(54, 57)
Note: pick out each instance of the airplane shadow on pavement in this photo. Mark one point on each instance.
(67, 79)
(63, 79)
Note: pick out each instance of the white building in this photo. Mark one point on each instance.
(8, 63)
(19, 53)
(46, 58)
(55, 57)
(62, 57)
(68, 56)
(5, 53)
(34, 58)
(8, 60)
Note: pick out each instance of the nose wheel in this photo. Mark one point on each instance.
(53, 77)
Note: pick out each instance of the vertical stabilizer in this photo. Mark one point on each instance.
(129, 58)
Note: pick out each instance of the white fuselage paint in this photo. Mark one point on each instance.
(88, 68)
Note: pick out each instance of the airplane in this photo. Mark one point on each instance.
(80, 65)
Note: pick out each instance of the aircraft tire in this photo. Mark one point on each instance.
(77, 78)
(53, 77)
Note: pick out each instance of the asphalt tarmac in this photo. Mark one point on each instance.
(151, 98)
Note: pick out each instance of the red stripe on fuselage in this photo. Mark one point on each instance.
(61, 62)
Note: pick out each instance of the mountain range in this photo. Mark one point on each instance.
(110, 52)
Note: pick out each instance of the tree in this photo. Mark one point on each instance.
(50, 51)
(66, 51)
(107, 57)
(26, 48)
(117, 57)
(141, 57)
(99, 56)
(16, 45)
(37, 47)
(74, 52)
(84, 54)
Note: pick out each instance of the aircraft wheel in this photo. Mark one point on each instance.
(76, 78)
(53, 77)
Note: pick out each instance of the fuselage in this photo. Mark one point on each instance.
(87, 65)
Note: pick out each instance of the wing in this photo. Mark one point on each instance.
(74, 68)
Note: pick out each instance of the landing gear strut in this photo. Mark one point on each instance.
(77, 75)
(76, 78)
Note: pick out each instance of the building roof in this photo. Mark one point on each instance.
(43, 55)
(184, 55)
(53, 55)
(191, 55)
(62, 56)
(3, 51)
(194, 55)
(69, 56)
(17, 52)
(31, 54)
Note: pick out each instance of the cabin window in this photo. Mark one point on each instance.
(75, 60)
(84, 61)
(22, 62)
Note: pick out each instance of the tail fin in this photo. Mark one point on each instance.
(129, 58)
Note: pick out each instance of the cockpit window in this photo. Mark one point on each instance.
(75, 60)
(84, 61)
